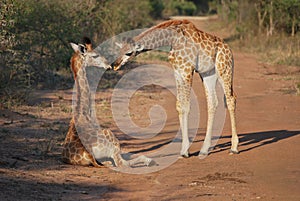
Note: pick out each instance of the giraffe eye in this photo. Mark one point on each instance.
(95, 57)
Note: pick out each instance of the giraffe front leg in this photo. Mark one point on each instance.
(212, 103)
(183, 120)
(184, 83)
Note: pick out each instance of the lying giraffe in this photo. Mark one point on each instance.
(100, 145)
(73, 150)
(191, 51)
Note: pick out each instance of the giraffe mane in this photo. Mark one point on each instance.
(175, 23)
(166, 24)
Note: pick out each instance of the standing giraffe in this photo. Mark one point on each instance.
(191, 51)
(101, 145)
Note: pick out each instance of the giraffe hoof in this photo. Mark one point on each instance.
(149, 162)
(202, 153)
(231, 152)
(107, 163)
(152, 163)
(184, 155)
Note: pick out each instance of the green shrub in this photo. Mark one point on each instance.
(35, 37)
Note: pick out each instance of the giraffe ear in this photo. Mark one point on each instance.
(78, 48)
(82, 48)
(75, 47)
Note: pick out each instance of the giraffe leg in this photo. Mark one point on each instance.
(212, 103)
(121, 162)
(183, 107)
(226, 80)
(231, 104)
(116, 153)
(142, 160)
(183, 119)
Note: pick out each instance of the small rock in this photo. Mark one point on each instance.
(193, 184)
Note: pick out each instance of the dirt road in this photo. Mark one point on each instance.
(267, 168)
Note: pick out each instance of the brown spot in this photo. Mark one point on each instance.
(196, 35)
(77, 157)
(179, 61)
(221, 59)
(78, 145)
(189, 32)
(207, 52)
(187, 70)
(195, 39)
(194, 49)
(202, 45)
(209, 43)
(188, 44)
(205, 63)
(188, 51)
(93, 139)
(213, 54)
(221, 73)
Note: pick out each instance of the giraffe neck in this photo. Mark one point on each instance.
(156, 38)
(175, 33)
(76, 63)
(83, 93)
(85, 122)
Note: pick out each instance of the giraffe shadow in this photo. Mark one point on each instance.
(250, 141)
(247, 141)
(157, 145)
(164, 139)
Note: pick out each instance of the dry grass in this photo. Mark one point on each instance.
(278, 49)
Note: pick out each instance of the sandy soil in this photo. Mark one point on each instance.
(267, 168)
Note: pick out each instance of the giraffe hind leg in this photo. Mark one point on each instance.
(141, 160)
(212, 103)
(117, 157)
(231, 108)
(230, 101)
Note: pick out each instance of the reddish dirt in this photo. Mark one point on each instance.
(267, 168)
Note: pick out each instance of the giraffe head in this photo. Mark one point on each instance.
(128, 51)
(86, 56)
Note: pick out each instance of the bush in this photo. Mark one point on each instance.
(157, 7)
(186, 8)
(35, 37)
(179, 7)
